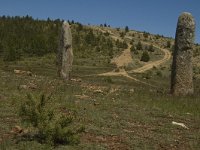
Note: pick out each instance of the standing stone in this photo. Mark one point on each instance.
(65, 52)
(182, 69)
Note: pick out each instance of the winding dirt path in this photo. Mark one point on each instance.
(167, 56)
(120, 61)
(125, 58)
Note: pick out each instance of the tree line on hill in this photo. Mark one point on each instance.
(24, 36)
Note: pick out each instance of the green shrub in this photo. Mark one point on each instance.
(168, 44)
(139, 46)
(50, 125)
(145, 57)
(126, 29)
(111, 53)
(108, 80)
(106, 33)
(147, 75)
(125, 45)
(79, 27)
(136, 52)
(122, 34)
(11, 54)
(157, 36)
(196, 52)
(146, 34)
(151, 48)
(159, 73)
(133, 49)
(132, 42)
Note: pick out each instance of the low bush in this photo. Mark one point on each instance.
(145, 57)
(50, 125)
(159, 73)
(108, 80)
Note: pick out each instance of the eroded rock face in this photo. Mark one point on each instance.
(182, 69)
(65, 52)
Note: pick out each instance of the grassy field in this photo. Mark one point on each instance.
(118, 113)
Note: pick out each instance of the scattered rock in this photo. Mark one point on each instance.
(98, 91)
(128, 131)
(113, 90)
(188, 114)
(32, 86)
(82, 96)
(21, 72)
(180, 124)
(25, 87)
(17, 130)
(29, 86)
(132, 90)
(17, 71)
(95, 103)
(76, 80)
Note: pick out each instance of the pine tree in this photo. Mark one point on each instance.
(168, 44)
(139, 46)
(126, 29)
(145, 56)
(151, 48)
(133, 48)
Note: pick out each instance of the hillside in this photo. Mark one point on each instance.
(123, 102)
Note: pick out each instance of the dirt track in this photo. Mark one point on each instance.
(167, 56)
(125, 58)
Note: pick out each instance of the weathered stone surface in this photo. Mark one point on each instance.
(182, 69)
(65, 52)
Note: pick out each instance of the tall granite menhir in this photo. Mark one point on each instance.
(65, 52)
(182, 69)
